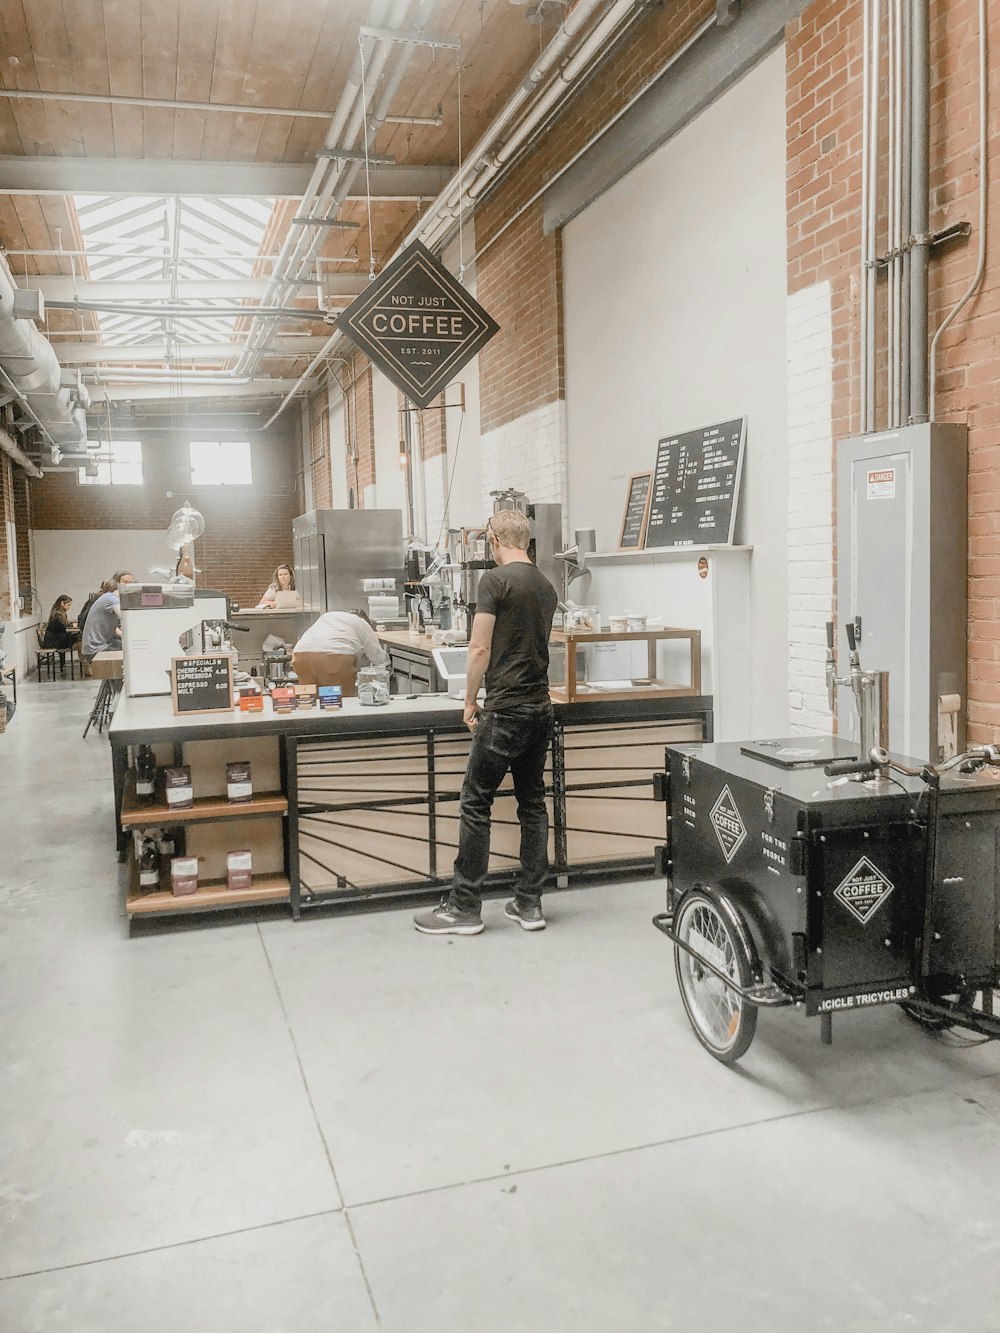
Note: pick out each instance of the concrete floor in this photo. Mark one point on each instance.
(342, 1125)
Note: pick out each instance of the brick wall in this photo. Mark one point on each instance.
(519, 277)
(319, 450)
(823, 52)
(8, 557)
(22, 529)
(248, 530)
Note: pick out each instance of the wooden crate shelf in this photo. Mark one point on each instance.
(212, 893)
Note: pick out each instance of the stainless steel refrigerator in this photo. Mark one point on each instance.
(336, 549)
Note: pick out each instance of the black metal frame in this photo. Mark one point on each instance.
(774, 996)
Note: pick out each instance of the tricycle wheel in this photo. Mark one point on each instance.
(723, 1021)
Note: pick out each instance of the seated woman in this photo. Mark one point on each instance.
(283, 580)
(60, 633)
(330, 652)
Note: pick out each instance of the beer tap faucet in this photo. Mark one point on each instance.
(870, 688)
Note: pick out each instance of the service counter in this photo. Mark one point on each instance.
(411, 661)
(360, 804)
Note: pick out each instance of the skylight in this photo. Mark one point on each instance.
(145, 240)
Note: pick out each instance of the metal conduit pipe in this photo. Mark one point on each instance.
(919, 206)
(977, 277)
(863, 311)
(326, 167)
(299, 245)
(32, 369)
(446, 204)
(567, 75)
(13, 450)
(871, 273)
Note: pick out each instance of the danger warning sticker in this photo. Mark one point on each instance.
(863, 890)
(729, 827)
(882, 483)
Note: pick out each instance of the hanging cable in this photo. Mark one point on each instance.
(461, 198)
(368, 174)
(451, 481)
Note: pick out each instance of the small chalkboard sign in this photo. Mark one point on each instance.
(201, 683)
(633, 532)
(696, 486)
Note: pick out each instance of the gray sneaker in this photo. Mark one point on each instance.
(527, 915)
(447, 920)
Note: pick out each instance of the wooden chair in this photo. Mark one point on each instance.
(47, 658)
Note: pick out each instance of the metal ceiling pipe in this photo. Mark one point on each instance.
(446, 206)
(920, 134)
(345, 123)
(33, 371)
(13, 450)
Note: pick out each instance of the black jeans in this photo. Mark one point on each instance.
(517, 739)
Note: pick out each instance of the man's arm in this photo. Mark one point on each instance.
(480, 647)
(373, 649)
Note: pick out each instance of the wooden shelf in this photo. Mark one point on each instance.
(205, 808)
(212, 893)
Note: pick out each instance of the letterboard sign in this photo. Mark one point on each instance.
(418, 324)
(202, 683)
(696, 486)
(636, 511)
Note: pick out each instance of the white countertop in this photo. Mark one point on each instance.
(156, 711)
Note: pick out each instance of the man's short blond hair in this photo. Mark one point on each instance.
(511, 528)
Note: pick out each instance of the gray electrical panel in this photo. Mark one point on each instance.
(902, 525)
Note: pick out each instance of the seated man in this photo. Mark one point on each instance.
(102, 630)
(330, 652)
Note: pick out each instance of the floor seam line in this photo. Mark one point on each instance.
(659, 1143)
(319, 1128)
(171, 1245)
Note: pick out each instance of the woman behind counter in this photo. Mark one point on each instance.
(283, 580)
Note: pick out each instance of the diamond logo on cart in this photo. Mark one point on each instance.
(864, 890)
(729, 827)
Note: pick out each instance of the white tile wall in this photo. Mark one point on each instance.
(529, 454)
(810, 504)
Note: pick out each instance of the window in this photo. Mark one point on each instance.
(221, 463)
(123, 468)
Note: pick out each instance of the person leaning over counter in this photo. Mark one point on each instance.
(331, 650)
(283, 580)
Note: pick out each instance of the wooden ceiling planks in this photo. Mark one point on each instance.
(233, 36)
(195, 62)
(158, 57)
(88, 65)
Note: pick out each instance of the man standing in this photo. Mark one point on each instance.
(509, 646)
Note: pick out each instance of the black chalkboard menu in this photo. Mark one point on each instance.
(636, 508)
(696, 485)
(202, 683)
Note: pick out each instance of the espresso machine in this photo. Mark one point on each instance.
(469, 551)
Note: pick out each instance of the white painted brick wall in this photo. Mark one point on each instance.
(529, 454)
(435, 487)
(810, 504)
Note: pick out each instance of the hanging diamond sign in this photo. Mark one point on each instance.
(418, 324)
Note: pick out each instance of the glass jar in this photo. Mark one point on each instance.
(373, 685)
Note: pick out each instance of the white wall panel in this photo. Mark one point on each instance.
(76, 561)
(675, 310)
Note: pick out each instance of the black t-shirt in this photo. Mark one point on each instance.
(524, 602)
